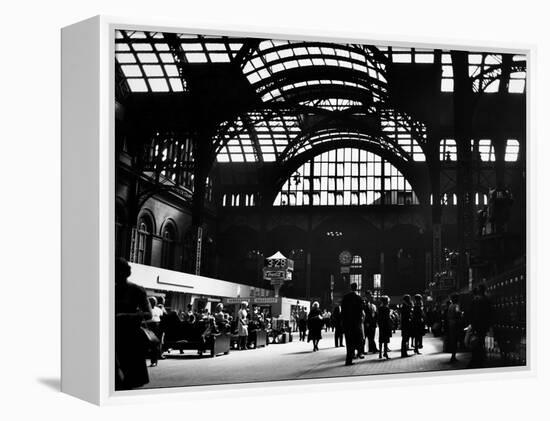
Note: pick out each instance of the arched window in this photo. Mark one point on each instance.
(168, 240)
(142, 240)
(346, 177)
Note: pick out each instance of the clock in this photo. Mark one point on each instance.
(345, 257)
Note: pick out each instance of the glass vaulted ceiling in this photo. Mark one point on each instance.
(314, 75)
(284, 70)
(259, 136)
(152, 63)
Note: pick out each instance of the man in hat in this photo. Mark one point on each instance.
(352, 321)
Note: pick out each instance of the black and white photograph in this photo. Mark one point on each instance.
(313, 208)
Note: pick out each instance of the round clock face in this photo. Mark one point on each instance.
(345, 257)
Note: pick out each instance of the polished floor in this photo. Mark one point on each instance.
(294, 360)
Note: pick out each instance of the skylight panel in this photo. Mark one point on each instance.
(257, 62)
(285, 53)
(142, 46)
(131, 71)
(475, 58)
(176, 85)
(265, 45)
(237, 157)
(136, 34)
(269, 57)
(137, 85)
(424, 58)
(191, 47)
(402, 58)
(166, 58)
(122, 47)
(219, 57)
(222, 157)
(517, 82)
(215, 46)
(158, 85)
(235, 46)
(492, 87)
(277, 68)
(196, 58)
(357, 57)
(153, 70)
(171, 70)
(314, 50)
(162, 47)
(516, 86)
(126, 58)
(148, 58)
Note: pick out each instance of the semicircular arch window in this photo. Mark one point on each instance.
(346, 177)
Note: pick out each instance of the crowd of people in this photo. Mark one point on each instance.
(140, 323)
(357, 319)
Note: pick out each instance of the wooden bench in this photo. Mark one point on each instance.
(200, 336)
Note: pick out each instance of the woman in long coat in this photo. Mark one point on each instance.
(453, 325)
(315, 325)
(242, 324)
(385, 326)
(418, 323)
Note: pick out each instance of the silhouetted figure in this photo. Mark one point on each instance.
(338, 327)
(315, 325)
(352, 320)
(405, 324)
(453, 326)
(385, 326)
(371, 314)
(418, 323)
(481, 221)
(131, 309)
(302, 323)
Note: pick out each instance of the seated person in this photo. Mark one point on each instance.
(221, 319)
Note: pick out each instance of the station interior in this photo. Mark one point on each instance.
(399, 168)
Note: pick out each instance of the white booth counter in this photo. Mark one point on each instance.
(193, 287)
(279, 307)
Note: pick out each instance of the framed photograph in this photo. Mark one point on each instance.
(246, 208)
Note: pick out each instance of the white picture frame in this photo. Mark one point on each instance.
(88, 213)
